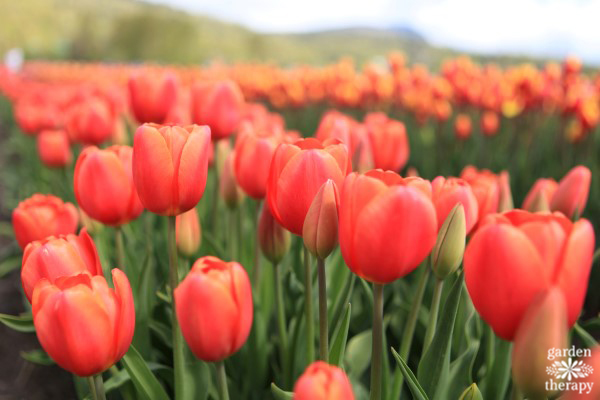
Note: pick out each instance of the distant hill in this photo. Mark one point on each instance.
(135, 31)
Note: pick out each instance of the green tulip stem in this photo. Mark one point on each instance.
(377, 341)
(256, 270)
(281, 325)
(222, 380)
(433, 313)
(120, 248)
(323, 330)
(99, 385)
(178, 355)
(308, 308)
(90, 380)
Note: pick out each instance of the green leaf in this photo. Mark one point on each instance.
(144, 380)
(117, 380)
(218, 250)
(434, 367)
(496, 382)
(461, 370)
(279, 394)
(411, 380)
(21, 323)
(471, 393)
(587, 339)
(341, 300)
(338, 346)
(10, 264)
(37, 356)
(358, 354)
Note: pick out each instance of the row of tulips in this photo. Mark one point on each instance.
(525, 272)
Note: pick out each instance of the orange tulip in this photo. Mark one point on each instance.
(486, 188)
(214, 308)
(489, 123)
(91, 121)
(538, 198)
(170, 165)
(387, 226)
(447, 192)
(104, 185)
(321, 381)
(58, 256)
(54, 148)
(572, 192)
(41, 216)
(188, 234)
(219, 106)
(462, 126)
(152, 95)
(85, 326)
(297, 172)
(515, 255)
(389, 142)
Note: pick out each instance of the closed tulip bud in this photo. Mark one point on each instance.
(274, 239)
(515, 255)
(188, 233)
(543, 329)
(54, 148)
(571, 195)
(220, 106)
(58, 256)
(446, 193)
(90, 121)
(538, 198)
(321, 381)
(471, 393)
(170, 165)
(320, 231)
(214, 308)
(297, 173)
(388, 224)
(85, 326)
(231, 193)
(152, 95)
(103, 184)
(389, 142)
(450, 245)
(222, 150)
(41, 216)
(505, 201)
(462, 127)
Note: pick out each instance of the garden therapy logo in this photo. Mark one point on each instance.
(564, 373)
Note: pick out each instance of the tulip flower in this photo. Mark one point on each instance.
(57, 256)
(254, 150)
(571, 195)
(90, 121)
(489, 123)
(228, 187)
(449, 247)
(85, 326)
(446, 193)
(188, 232)
(540, 195)
(214, 308)
(462, 126)
(273, 239)
(388, 224)
(54, 148)
(517, 254)
(297, 173)
(41, 216)
(505, 201)
(321, 381)
(389, 142)
(152, 95)
(219, 106)
(543, 328)
(170, 166)
(320, 230)
(104, 186)
(486, 188)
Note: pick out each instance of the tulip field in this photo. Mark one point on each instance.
(250, 231)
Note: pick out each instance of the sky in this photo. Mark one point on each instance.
(547, 28)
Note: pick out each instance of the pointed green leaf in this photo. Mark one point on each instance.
(587, 339)
(338, 346)
(21, 323)
(412, 382)
(279, 394)
(461, 370)
(358, 353)
(146, 384)
(495, 383)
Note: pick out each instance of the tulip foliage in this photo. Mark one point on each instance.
(254, 232)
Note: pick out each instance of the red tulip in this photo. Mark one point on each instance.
(572, 192)
(321, 381)
(515, 255)
(462, 126)
(486, 188)
(152, 95)
(388, 140)
(320, 229)
(231, 193)
(219, 106)
(489, 123)
(91, 121)
(297, 172)
(273, 239)
(214, 308)
(85, 326)
(41, 216)
(170, 165)
(447, 192)
(538, 198)
(387, 226)
(58, 256)
(54, 148)
(188, 232)
(254, 150)
(104, 185)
